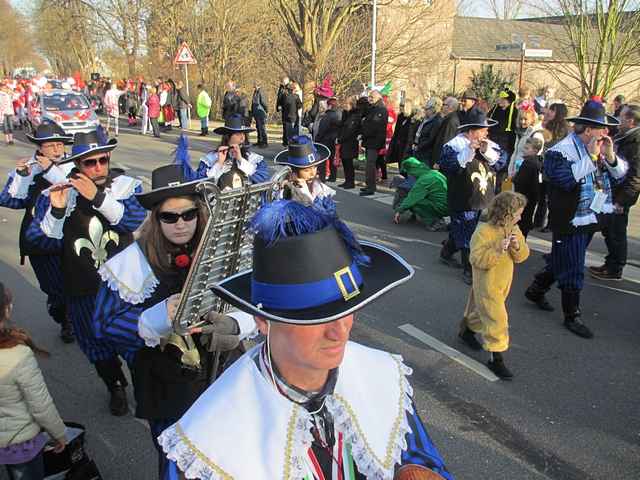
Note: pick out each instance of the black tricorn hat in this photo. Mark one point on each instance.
(308, 268)
(474, 119)
(49, 132)
(302, 152)
(593, 114)
(233, 124)
(166, 182)
(90, 143)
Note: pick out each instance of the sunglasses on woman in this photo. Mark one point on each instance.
(92, 162)
(171, 217)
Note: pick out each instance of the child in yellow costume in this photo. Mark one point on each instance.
(495, 247)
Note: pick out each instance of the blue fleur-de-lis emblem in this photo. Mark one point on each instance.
(97, 242)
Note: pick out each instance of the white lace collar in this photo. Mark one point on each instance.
(130, 274)
(259, 434)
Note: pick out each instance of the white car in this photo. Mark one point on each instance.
(71, 110)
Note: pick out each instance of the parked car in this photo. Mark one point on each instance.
(71, 110)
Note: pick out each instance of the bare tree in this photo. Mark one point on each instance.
(505, 9)
(16, 48)
(122, 22)
(314, 27)
(600, 39)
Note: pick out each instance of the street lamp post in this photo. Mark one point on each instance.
(374, 29)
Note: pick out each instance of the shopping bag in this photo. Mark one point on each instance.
(73, 463)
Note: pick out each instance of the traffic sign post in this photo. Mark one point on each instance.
(185, 57)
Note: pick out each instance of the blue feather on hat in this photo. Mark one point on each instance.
(288, 218)
(102, 135)
(182, 157)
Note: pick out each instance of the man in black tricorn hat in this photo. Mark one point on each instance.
(21, 192)
(306, 403)
(580, 169)
(469, 161)
(89, 218)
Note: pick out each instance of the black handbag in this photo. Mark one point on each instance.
(73, 463)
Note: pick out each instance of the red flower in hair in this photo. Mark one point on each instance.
(183, 260)
(527, 105)
(597, 98)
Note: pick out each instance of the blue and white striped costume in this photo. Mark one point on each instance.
(456, 155)
(125, 215)
(20, 193)
(568, 165)
(254, 167)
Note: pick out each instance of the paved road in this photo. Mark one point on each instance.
(571, 412)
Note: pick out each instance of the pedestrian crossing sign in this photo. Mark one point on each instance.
(184, 56)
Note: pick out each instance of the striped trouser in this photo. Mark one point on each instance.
(48, 271)
(81, 313)
(567, 259)
(463, 224)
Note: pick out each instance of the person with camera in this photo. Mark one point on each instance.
(135, 308)
(28, 411)
(233, 159)
(90, 218)
(21, 192)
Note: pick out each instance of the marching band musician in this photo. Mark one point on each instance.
(470, 162)
(21, 192)
(138, 297)
(304, 404)
(90, 218)
(233, 159)
(304, 156)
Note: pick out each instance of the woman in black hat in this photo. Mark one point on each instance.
(233, 155)
(135, 306)
(306, 401)
(304, 156)
(21, 192)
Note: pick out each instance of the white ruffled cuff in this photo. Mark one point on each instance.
(246, 323)
(19, 187)
(216, 171)
(154, 324)
(582, 168)
(620, 169)
(111, 208)
(52, 226)
(492, 155)
(247, 167)
(55, 175)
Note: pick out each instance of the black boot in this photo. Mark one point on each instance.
(466, 272)
(536, 292)
(469, 338)
(111, 373)
(202, 134)
(58, 312)
(66, 331)
(497, 366)
(446, 253)
(571, 309)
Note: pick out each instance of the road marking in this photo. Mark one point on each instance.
(452, 353)
(144, 179)
(621, 290)
(121, 165)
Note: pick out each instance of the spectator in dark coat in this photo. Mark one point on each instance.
(259, 111)
(348, 138)
(328, 131)
(404, 134)
(374, 135)
(427, 131)
(290, 105)
(625, 196)
(282, 93)
(230, 101)
(448, 129)
(505, 113)
(527, 181)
